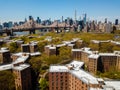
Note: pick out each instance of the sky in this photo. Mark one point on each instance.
(18, 10)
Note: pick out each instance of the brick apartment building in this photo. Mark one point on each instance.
(21, 71)
(25, 48)
(81, 54)
(29, 48)
(50, 50)
(71, 77)
(23, 77)
(5, 56)
(54, 49)
(95, 61)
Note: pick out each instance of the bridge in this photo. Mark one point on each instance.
(31, 26)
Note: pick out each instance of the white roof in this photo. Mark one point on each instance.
(76, 71)
(95, 41)
(106, 54)
(84, 76)
(95, 88)
(5, 67)
(76, 50)
(33, 44)
(4, 48)
(35, 53)
(71, 44)
(86, 49)
(94, 56)
(58, 68)
(88, 52)
(19, 54)
(66, 42)
(52, 47)
(100, 79)
(115, 84)
(25, 45)
(76, 39)
(60, 45)
(76, 64)
(21, 67)
(21, 59)
(3, 51)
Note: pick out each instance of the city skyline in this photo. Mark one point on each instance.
(17, 10)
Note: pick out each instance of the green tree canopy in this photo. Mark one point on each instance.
(65, 53)
(13, 47)
(7, 80)
(43, 84)
(35, 63)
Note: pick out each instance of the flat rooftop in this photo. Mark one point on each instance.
(115, 84)
(76, 71)
(21, 67)
(6, 67)
(94, 56)
(76, 50)
(21, 59)
(84, 76)
(75, 64)
(107, 54)
(58, 68)
(3, 51)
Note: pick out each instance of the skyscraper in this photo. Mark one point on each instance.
(10, 24)
(116, 21)
(30, 17)
(62, 18)
(75, 15)
(105, 20)
(38, 20)
(84, 18)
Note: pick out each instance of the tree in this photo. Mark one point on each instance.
(13, 47)
(7, 80)
(24, 38)
(106, 47)
(43, 84)
(41, 45)
(53, 59)
(65, 53)
(94, 47)
(36, 64)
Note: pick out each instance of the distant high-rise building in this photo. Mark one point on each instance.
(10, 24)
(62, 18)
(25, 20)
(85, 18)
(38, 20)
(75, 15)
(116, 22)
(5, 25)
(30, 17)
(20, 23)
(0, 26)
(105, 20)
